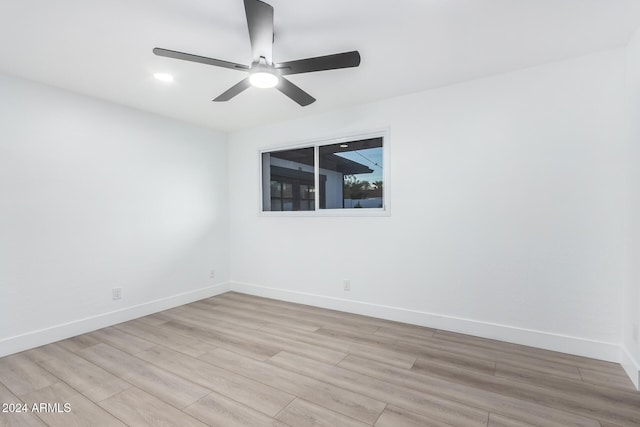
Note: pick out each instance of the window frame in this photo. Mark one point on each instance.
(315, 144)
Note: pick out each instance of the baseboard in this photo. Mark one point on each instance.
(59, 332)
(550, 341)
(563, 343)
(631, 366)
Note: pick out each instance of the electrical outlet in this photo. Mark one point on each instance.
(116, 293)
(635, 332)
(346, 284)
(212, 274)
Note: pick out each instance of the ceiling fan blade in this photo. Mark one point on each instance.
(294, 92)
(260, 23)
(320, 63)
(234, 90)
(201, 59)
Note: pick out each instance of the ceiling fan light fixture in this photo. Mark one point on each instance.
(263, 79)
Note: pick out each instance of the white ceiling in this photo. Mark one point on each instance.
(103, 48)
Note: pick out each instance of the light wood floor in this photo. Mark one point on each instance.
(239, 360)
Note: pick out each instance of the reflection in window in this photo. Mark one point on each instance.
(354, 174)
(290, 173)
(350, 176)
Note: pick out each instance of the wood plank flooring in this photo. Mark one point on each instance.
(240, 360)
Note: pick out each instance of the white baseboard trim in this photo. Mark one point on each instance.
(540, 339)
(631, 366)
(550, 341)
(59, 332)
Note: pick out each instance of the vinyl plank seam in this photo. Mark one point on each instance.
(388, 346)
(80, 392)
(610, 374)
(336, 314)
(490, 359)
(457, 364)
(397, 385)
(264, 311)
(478, 408)
(158, 343)
(352, 341)
(98, 401)
(626, 392)
(611, 387)
(275, 417)
(487, 409)
(386, 405)
(147, 349)
(506, 361)
(522, 353)
(236, 401)
(556, 407)
(203, 397)
(148, 391)
(184, 410)
(306, 376)
(20, 400)
(276, 318)
(83, 395)
(10, 391)
(297, 373)
(412, 411)
(276, 341)
(344, 345)
(408, 369)
(111, 344)
(59, 380)
(19, 396)
(23, 400)
(417, 356)
(340, 361)
(229, 345)
(596, 417)
(220, 392)
(108, 411)
(581, 377)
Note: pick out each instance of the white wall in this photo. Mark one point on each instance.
(507, 211)
(631, 347)
(95, 196)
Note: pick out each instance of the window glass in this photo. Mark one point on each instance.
(291, 177)
(349, 175)
(354, 174)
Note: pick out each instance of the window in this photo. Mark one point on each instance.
(336, 175)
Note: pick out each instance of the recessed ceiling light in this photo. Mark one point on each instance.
(163, 77)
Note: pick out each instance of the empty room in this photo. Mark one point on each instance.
(320, 213)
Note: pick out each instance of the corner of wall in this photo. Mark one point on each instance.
(63, 331)
(631, 366)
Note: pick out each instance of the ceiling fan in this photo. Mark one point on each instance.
(263, 72)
